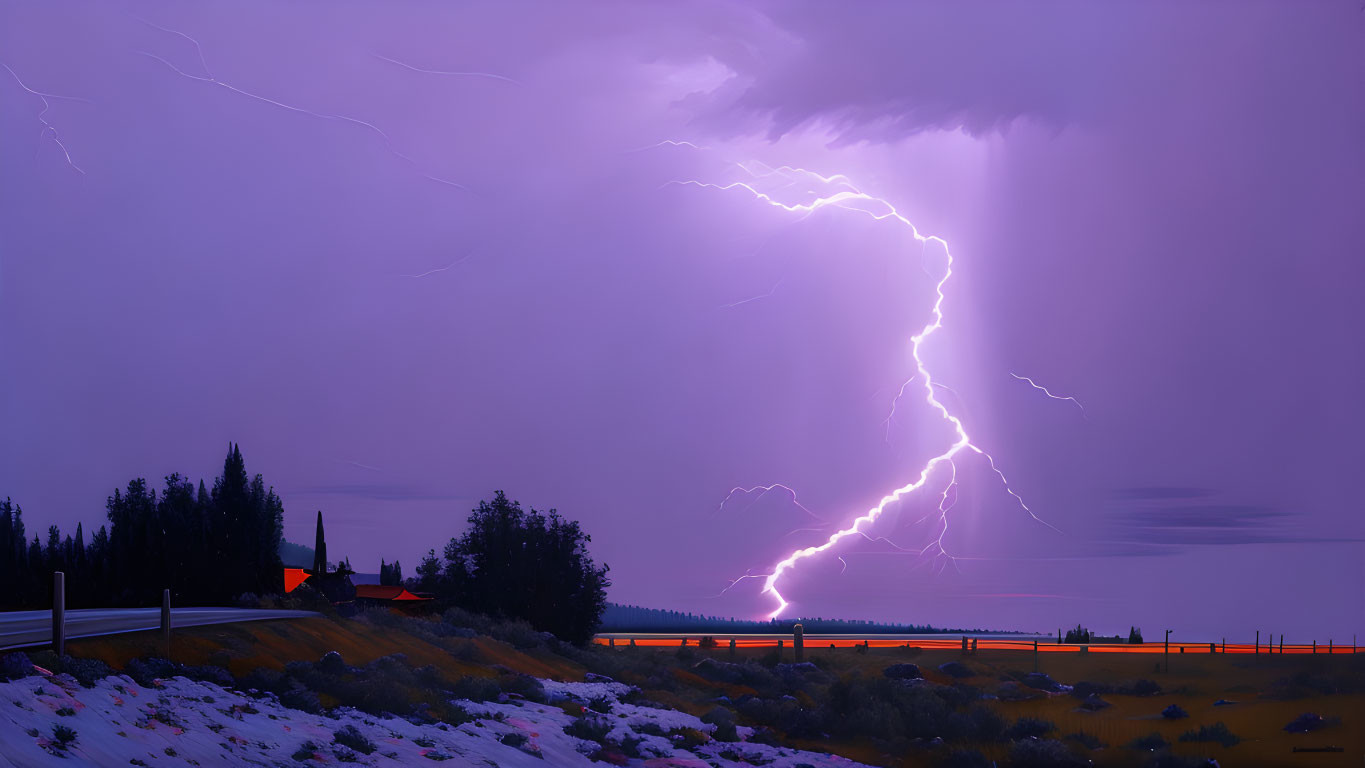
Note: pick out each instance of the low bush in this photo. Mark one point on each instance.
(350, 736)
(1087, 740)
(1029, 728)
(589, 728)
(63, 736)
(1310, 722)
(1218, 732)
(1045, 753)
(15, 665)
(1149, 743)
(965, 758)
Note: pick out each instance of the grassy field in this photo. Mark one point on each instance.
(1268, 691)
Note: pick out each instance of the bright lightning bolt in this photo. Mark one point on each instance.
(1047, 392)
(852, 199)
(48, 129)
(209, 78)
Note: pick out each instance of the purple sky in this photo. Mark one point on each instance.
(1156, 208)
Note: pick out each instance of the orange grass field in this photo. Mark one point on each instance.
(1195, 681)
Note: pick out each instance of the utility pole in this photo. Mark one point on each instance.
(1258, 642)
(1168, 650)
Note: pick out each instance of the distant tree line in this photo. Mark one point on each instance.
(206, 546)
(520, 564)
(633, 618)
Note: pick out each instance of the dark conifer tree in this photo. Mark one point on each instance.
(320, 548)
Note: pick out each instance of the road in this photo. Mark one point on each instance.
(21, 628)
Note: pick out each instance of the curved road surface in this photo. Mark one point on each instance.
(20, 628)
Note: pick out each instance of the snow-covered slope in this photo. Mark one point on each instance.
(183, 722)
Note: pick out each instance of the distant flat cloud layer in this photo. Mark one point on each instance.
(1159, 520)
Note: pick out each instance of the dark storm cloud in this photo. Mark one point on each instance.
(884, 71)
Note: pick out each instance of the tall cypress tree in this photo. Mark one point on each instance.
(320, 549)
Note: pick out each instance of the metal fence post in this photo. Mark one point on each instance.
(166, 621)
(59, 613)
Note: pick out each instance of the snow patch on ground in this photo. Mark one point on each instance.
(184, 722)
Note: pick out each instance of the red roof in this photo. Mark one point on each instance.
(379, 592)
(293, 577)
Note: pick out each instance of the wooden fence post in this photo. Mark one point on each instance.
(799, 643)
(166, 621)
(1035, 655)
(611, 642)
(1281, 643)
(1258, 641)
(732, 647)
(59, 613)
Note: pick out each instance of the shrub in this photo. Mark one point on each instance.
(1149, 743)
(1047, 753)
(1174, 712)
(350, 736)
(1087, 740)
(86, 671)
(1029, 728)
(307, 751)
(589, 729)
(63, 735)
(1309, 722)
(1217, 732)
(966, 758)
(15, 665)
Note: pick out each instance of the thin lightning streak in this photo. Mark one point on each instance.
(48, 128)
(766, 489)
(849, 199)
(845, 568)
(211, 79)
(742, 302)
(446, 268)
(488, 75)
(666, 143)
(1047, 392)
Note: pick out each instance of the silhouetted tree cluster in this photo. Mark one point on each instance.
(1078, 635)
(390, 575)
(206, 546)
(519, 564)
(1134, 635)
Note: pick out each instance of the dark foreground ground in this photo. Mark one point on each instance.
(963, 711)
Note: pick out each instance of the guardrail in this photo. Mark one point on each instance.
(967, 644)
